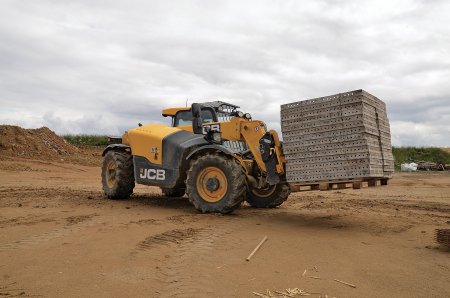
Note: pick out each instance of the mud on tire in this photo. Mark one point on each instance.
(231, 183)
(118, 175)
(269, 198)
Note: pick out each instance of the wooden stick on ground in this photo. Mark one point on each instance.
(345, 283)
(315, 277)
(256, 248)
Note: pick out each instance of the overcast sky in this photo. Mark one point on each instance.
(103, 66)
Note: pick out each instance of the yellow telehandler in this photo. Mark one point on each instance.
(212, 152)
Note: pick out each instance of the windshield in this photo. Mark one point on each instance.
(184, 118)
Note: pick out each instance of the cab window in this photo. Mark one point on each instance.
(184, 118)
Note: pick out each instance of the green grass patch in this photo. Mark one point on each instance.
(86, 140)
(416, 154)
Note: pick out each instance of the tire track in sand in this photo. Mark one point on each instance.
(167, 238)
(55, 233)
(178, 277)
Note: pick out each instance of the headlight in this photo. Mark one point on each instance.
(240, 114)
(248, 116)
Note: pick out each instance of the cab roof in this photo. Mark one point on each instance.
(172, 111)
(210, 104)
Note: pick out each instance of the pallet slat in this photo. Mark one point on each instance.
(338, 184)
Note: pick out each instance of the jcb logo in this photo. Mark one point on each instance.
(211, 127)
(153, 174)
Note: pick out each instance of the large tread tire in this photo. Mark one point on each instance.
(173, 192)
(236, 184)
(118, 175)
(272, 199)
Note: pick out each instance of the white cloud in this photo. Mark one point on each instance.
(408, 133)
(68, 64)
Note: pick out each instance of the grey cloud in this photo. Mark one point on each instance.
(421, 110)
(103, 66)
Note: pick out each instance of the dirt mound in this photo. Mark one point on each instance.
(31, 143)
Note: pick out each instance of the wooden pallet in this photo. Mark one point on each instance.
(338, 184)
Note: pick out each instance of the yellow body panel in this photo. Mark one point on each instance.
(146, 141)
(279, 152)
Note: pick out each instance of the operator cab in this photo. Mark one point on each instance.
(215, 111)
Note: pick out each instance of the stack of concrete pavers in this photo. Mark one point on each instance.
(338, 137)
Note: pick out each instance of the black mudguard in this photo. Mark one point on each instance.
(211, 147)
(121, 147)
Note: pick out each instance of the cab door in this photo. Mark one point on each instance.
(183, 119)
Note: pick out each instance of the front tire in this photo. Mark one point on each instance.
(118, 175)
(271, 197)
(215, 183)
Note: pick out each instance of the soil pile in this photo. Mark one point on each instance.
(42, 142)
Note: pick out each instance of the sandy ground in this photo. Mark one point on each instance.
(59, 237)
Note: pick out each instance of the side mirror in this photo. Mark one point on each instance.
(197, 118)
(196, 110)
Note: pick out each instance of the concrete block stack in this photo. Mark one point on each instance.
(338, 137)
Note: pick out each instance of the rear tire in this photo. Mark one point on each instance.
(173, 192)
(118, 175)
(215, 183)
(271, 197)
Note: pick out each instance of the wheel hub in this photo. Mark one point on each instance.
(212, 184)
(264, 192)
